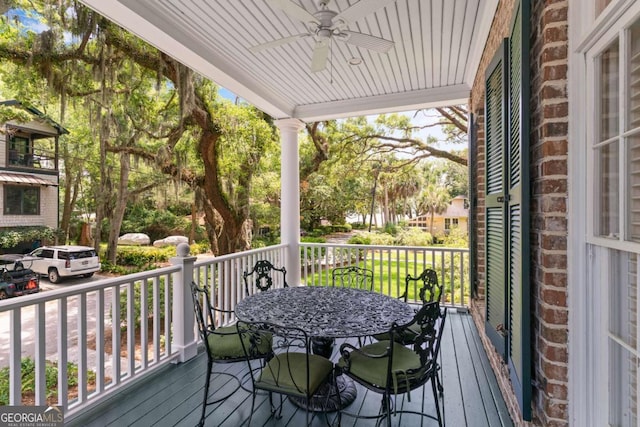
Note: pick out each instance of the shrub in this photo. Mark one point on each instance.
(137, 300)
(143, 256)
(23, 237)
(457, 238)
(199, 248)
(341, 228)
(413, 236)
(359, 239)
(373, 238)
(358, 226)
(391, 228)
(27, 370)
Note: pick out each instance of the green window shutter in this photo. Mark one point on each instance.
(518, 249)
(495, 213)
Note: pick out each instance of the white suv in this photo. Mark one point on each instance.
(57, 262)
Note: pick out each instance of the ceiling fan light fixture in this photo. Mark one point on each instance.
(326, 24)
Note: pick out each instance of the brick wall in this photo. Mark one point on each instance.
(548, 151)
(549, 133)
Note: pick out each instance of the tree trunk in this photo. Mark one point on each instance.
(121, 205)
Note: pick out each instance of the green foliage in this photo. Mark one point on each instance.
(360, 239)
(374, 238)
(13, 237)
(143, 256)
(199, 248)
(267, 239)
(390, 228)
(413, 236)
(310, 251)
(341, 228)
(137, 300)
(313, 239)
(155, 223)
(457, 238)
(28, 369)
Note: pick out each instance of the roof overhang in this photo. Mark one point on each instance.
(24, 179)
(437, 49)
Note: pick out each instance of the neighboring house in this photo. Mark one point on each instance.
(456, 216)
(29, 170)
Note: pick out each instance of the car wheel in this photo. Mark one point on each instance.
(3, 294)
(87, 275)
(54, 277)
(18, 266)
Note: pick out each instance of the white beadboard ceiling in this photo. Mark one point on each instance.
(434, 60)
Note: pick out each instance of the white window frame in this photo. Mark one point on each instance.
(588, 316)
(592, 54)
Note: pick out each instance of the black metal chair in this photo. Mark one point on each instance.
(291, 370)
(430, 290)
(261, 276)
(222, 344)
(352, 277)
(390, 368)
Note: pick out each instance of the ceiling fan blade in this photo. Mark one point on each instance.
(278, 42)
(294, 11)
(360, 9)
(320, 56)
(368, 41)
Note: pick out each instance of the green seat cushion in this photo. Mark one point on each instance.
(404, 336)
(374, 371)
(287, 373)
(225, 343)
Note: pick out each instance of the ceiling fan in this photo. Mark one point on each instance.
(326, 25)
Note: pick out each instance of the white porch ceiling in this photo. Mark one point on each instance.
(437, 49)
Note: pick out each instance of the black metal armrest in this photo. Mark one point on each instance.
(346, 349)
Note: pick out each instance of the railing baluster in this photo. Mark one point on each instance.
(100, 359)
(63, 386)
(156, 320)
(115, 334)
(144, 323)
(40, 353)
(131, 331)
(82, 347)
(15, 362)
(168, 285)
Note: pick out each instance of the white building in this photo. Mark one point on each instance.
(29, 170)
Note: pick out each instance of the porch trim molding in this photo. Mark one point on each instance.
(290, 195)
(580, 16)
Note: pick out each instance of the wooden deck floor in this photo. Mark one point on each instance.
(173, 396)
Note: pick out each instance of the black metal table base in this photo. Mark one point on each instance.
(325, 399)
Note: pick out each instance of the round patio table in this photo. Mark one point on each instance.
(326, 313)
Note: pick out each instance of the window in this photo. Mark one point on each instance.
(21, 200)
(613, 208)
(450, 223)
(20, 151)
(616, 145)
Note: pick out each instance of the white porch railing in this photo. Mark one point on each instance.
(88, 325)
(390, 266)
(84, 325)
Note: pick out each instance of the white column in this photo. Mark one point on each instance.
(184, 338)
(290, 196)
